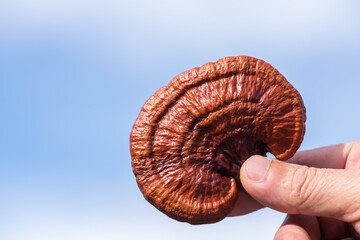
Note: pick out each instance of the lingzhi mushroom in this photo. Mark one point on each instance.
(192, 136)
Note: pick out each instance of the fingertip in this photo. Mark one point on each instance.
(299, 227)
(255, 168)
(287, 232)
(258, 180)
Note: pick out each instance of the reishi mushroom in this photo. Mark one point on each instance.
(192, 136)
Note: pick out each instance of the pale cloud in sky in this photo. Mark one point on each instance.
(281, 21)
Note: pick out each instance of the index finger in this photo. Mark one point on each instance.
(334, 156)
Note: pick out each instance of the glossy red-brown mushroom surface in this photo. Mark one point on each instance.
(191, 136)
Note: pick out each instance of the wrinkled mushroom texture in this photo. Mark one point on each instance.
(191, 137)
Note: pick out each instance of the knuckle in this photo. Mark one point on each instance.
(302, 186)
(355, 144)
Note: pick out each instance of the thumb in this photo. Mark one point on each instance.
(299, 189)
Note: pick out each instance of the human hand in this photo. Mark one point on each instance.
(322, 194)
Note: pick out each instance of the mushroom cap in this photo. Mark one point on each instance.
(192, 136)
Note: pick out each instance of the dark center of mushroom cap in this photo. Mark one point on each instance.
(227, 137)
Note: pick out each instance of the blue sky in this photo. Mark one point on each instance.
(73, 78)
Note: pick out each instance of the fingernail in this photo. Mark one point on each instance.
(256, 168)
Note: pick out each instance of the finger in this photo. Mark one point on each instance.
(331, 228)
(299, 227)
(354, 229)
(331, 156)
(299, 189)
(334, 156)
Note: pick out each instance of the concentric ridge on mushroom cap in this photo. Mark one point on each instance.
(191, 136)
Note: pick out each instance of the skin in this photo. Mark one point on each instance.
(318, 188)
